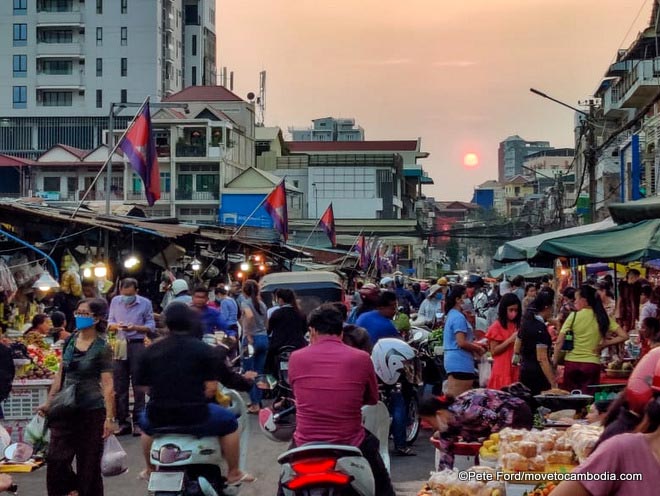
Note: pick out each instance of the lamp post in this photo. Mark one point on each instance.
(590, 152)
(316, 201)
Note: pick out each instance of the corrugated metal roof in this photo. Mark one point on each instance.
(204, 94)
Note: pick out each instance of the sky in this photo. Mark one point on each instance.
(455, 73)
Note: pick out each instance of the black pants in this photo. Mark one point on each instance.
(81, 437)
(370, 450)
(124, 373)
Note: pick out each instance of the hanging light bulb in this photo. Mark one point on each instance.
(262, 268)
(87, 270)
(195, 264)
(131, 262)
(245, 266)
(239, 275)
(45, 282)
(100, 270)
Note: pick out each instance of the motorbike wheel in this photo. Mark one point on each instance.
(412, 429)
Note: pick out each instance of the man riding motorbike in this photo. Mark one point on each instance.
(181, 373)
(329, 367)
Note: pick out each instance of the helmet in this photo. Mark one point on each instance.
(443, 281)
(386, 281)
(280, 431)
(178, 286)
(389, 356)
(369, 292)
(644, 379)
(475, 281)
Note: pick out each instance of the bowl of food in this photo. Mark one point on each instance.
(558, 399)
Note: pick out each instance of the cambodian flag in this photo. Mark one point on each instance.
(275, 205)
(327, 223)
(139, 146)
(361, 247)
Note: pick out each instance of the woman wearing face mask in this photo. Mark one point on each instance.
(501, 338)
(590, 326)
(86, 363)
(430, 307)
(472, 415)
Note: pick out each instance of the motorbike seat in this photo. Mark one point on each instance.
(187, 430)
(316, 449)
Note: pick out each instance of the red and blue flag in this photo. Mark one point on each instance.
(361, 247)
(140, 148)
(275, 205)
(327, 223)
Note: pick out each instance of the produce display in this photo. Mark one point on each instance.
(34, 361)
(542, 489)
(448, 483)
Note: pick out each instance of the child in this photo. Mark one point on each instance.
(501, 337)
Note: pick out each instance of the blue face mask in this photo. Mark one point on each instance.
(128, 300)
(83, 322)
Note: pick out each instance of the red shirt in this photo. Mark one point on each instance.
(331, 382)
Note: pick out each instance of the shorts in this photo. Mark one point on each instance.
(220, 422)
(463, 376)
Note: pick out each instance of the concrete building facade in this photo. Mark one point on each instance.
(511, 155)
(329, 129)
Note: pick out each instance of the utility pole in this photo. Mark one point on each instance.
(590, 159)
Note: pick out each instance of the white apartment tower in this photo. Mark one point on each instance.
(68, 60)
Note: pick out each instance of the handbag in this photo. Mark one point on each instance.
(63, 405)
(568, 344)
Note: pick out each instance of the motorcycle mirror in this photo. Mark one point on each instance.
(19, 452)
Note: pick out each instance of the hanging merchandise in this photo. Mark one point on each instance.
(20, 268)
(71, 282)
(7, 282)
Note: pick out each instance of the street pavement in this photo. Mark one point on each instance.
(408, 473)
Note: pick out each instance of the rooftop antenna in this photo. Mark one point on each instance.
(261, 99)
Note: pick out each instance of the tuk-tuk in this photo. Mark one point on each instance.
(312, 288)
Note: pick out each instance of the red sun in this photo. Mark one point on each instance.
(471, 160)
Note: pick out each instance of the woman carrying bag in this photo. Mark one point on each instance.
(80, 407)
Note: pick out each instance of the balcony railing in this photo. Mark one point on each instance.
(140, 196)
(163, 150)
(188, 150)
(197, 195)
(53, 19)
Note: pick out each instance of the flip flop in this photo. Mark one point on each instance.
(404, 452)
(246, 478)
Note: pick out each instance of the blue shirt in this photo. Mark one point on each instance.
(457, 359)
(229, 310)
(138, 313)
(212, 320)
(377, 326)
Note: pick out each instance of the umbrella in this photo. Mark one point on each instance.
(520, 269)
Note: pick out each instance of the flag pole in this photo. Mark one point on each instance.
(350, 250)
(304, 245)
(109, 158)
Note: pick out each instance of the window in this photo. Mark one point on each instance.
(194, 76)
(99, 6)
(124, 96)
(20, 65)
(124, 36)
(165, 182)
(20, 7)
(207, 182)
(20, 34)
(99, 36)
(124, 6)
(99, 98)
(71, 185)
(57, 99)
(52, 183)
(194, 44)
(56, 67)
(99, 67)
(19, 97)
(124, 67)
(55, 36)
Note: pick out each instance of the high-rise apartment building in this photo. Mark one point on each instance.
(70, 59)
(512, 153)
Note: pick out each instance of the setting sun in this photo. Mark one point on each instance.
(470, 160)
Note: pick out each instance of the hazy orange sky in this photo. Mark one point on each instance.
(456, 73)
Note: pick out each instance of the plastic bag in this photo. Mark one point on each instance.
(36, 433)
(484, 371)
(114, 460)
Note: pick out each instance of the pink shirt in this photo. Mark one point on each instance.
(623, 454)
(331, 382)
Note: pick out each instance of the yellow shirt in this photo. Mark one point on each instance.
(586, 336)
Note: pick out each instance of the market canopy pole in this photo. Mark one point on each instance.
(350, 250)
(56, 272)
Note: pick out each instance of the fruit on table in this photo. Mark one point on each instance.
(543, 489)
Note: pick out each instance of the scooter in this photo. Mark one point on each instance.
(188, 465)
(331, 469)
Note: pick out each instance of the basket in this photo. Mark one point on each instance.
(617, 374)
(23, 401)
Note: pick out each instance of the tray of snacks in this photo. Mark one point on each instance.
(542, 489)
(558, 399)
(448, 483)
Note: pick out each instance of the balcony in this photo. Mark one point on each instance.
(60, 50)
(639, 85)
(190, 150)
(163, 151)
(199, 196)
(59, 81)
(140, 196)
(53, 19)
(168, 54)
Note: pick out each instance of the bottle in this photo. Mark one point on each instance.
(515, 359)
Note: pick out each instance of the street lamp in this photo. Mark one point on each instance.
(316, 201)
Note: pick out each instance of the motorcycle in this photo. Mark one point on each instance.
(187, 465)
(433, 369)
(320, 468)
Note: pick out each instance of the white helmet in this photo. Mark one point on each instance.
(389, 356)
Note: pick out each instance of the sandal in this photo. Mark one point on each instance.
(253, 409)
(404, 452)
(246, 478)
